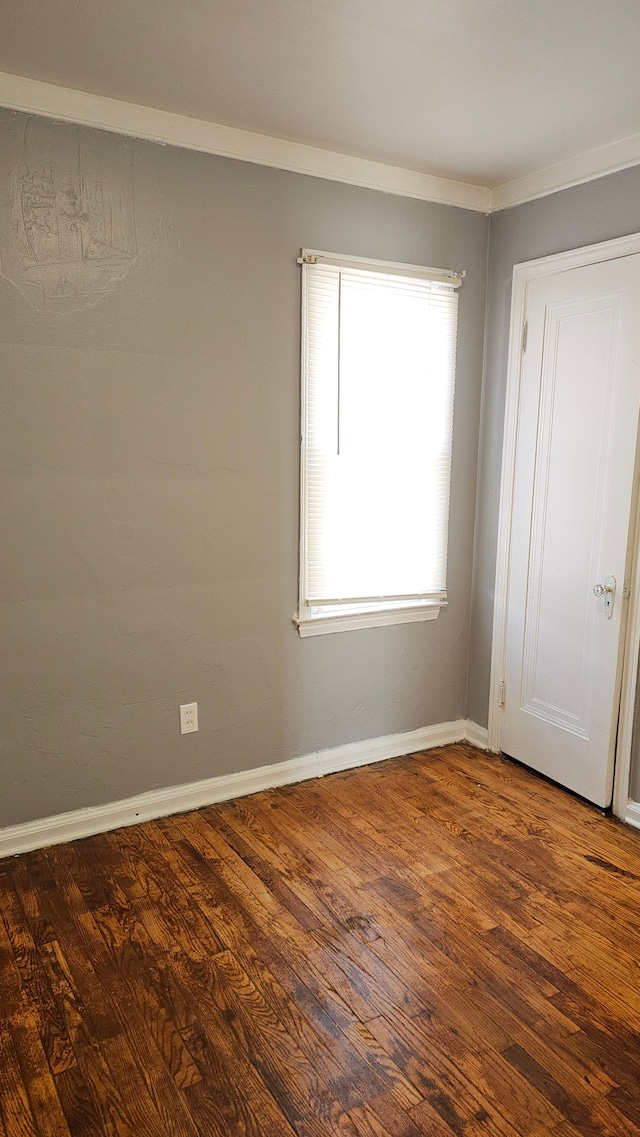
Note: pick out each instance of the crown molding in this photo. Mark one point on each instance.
(34, 97)
(66, 104)
(571, 172)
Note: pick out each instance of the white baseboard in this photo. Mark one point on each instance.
(632, 813)
(477, 735)
(395, 745)
(178, 799)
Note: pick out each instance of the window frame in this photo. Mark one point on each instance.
(347, 616)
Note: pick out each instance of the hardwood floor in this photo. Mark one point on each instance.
(437, 944)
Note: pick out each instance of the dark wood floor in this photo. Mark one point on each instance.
(438, 944)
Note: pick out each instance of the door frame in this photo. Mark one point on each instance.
(523, 273)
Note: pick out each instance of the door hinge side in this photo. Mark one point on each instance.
(525, 331)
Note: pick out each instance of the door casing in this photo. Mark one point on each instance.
(630, 631)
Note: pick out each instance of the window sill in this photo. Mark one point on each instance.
(375, 618)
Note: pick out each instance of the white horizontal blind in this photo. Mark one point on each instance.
(379, 363)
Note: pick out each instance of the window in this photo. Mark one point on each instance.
(378, 363)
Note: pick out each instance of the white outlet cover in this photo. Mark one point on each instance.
(188, 718)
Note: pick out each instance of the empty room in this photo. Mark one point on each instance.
(319, 582)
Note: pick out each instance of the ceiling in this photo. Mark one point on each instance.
(482, 91)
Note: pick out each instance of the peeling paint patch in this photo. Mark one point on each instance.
(69, 224)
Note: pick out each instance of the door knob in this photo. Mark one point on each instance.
(608, 590)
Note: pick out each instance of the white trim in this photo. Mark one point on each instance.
(372, 618)
(34, 97)
(321, 616)
(522, 274)
(574, 171)
(632, 814)
(575, 258)
(68, 105)
(629, 680)
(501, 593)
(420, 272)
(178, 799)
(477, 735)
(391, 746)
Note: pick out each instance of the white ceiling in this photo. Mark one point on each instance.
(482, 91)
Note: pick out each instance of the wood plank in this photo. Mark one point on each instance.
(446, 1090)
(15, 1108)
(37, 1078)
(41, 1005)
(335, 1025)
(578, 1104)
(440, 944)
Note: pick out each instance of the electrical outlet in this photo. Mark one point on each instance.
(188, 718)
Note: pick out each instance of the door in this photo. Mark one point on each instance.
(577, 428)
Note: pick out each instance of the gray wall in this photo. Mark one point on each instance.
(597, 211)
(149, 452)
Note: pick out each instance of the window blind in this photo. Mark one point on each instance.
(379, 364)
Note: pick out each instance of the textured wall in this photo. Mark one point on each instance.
(149, 342)
(597, 211)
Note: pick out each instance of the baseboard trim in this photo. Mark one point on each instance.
(632, 813)
(477, 735)
(195, 795)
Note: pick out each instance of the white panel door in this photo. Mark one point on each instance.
(573, 489)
